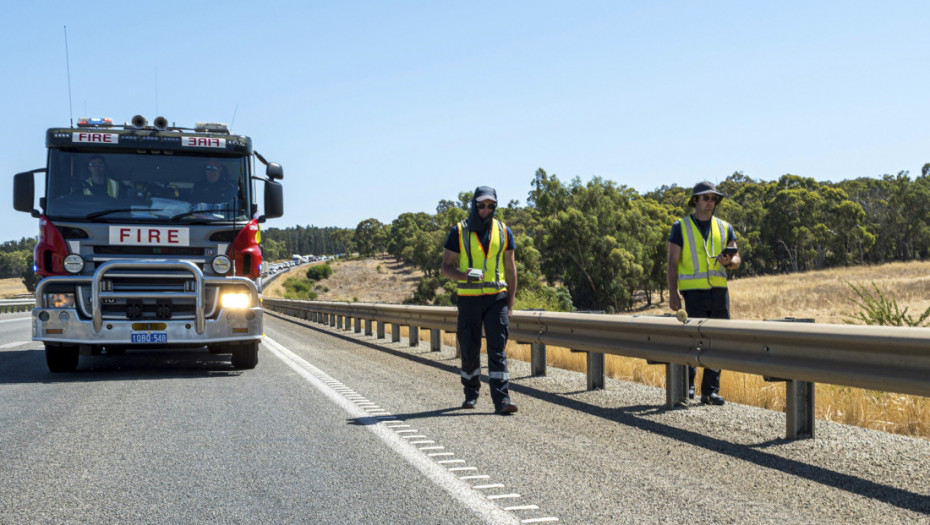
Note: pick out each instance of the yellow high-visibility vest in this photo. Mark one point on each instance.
(472, 255)
(112, 187)
(698, 268)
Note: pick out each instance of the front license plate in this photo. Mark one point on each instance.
(149, 337)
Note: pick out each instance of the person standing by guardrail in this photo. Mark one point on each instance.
(479, 256)
(700, 248)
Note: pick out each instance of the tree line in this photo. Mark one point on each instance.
(597, 245)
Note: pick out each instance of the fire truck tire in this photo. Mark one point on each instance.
(245, 356)
(61, 358)
(116, 350)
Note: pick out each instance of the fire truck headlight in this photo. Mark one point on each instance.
(235, 300)
(74, 263)
(221, 264)
(59, 300)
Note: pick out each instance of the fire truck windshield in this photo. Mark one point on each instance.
(150, 186)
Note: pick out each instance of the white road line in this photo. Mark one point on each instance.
(17, 320)
(479, 476)
(478, 503)
(488, 486)
(504, 496)
(11, 345)
(549, 519)
(522, 507)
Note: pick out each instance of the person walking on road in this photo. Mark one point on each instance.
(479, 257)
(701, 247)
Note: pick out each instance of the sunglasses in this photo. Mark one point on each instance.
(93, 165)
(706, 197)
(211, 168)
(482, 206)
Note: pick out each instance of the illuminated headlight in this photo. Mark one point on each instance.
(74, 263)
(221, 264)
(235, 300)
(59, 300)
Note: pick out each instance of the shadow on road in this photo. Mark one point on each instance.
(28, 366)
(631, 416)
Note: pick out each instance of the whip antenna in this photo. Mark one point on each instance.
(68, 68)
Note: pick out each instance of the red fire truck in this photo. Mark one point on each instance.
(149, 238)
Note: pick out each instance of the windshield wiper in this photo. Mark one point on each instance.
(117, 210)
(185, 214)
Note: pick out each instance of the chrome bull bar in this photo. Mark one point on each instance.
(98, 295)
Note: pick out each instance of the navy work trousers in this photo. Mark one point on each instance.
(490, 312)
(708, 304)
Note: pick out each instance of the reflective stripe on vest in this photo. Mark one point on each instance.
(112, 187)
(698, 268)
(492, 263)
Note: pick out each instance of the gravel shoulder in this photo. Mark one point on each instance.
(616, 456)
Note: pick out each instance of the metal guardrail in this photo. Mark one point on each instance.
(8, 306)
(891, 359)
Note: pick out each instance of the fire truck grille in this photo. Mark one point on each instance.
(148, 308)
(148, 250)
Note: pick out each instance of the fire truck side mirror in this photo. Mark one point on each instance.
(24, 193)
(274, 199)
(274, 171)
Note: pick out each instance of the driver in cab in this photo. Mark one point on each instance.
(98, 183)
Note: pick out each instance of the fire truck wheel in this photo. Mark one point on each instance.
(245, 356)
(116, 350)
(61, 358)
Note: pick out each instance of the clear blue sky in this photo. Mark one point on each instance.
(380, 107)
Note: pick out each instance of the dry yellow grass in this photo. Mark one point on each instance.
(374, 280)
(824, 296)
(10, 288)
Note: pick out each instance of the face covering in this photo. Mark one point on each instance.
(475, 223)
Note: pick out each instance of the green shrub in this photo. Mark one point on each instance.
(298, 289)
(880, 310)
(549, 298)
(319, 272)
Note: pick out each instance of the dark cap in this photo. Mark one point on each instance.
(485, 193)
(703, 188)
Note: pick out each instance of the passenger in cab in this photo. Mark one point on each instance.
(216, 186)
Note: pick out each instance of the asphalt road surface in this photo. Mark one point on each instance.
(338, 427)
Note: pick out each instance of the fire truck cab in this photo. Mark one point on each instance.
(148, 238)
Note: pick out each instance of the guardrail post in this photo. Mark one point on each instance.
(596, 370)
(368, 326)
(414, 339)
(332, 320)
(799, 409)
(799, 399)
(348, 324)
(380, 329)
(676, 385)
(435, 340)
(537, 359)
(339, 322)
(395, 333)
